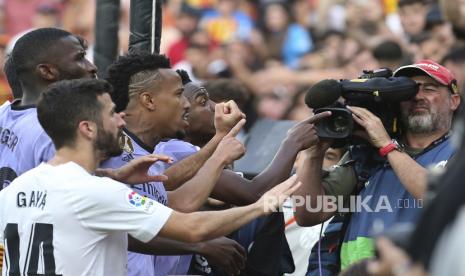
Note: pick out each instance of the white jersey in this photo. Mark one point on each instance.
(60, 220)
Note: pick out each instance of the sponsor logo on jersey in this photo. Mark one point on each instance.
(141, 202)
(136, 199)
(126, 143)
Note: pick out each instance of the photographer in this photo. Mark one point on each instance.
(395, 188)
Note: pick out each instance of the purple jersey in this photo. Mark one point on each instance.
(139, 264)
(23, 142)
(178, 150)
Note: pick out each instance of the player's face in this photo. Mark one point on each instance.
(201, 114)
(109, 129)
(172, 108)
(70, 60)
(431, 109)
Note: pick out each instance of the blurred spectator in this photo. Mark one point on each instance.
(19, 15)
(284, 39)
(222, 90)
(46, 15)
(304, 13)
(274, 103)
(202, 4)
(429, 48)
(441, 30)
(5, 91)
(389, 55)
(196, 57)
(79, 18)
(186, 23)
(454, 12)
(412, 16)
(298, 110)
(455, 61)
(226, 22)
(366, 22)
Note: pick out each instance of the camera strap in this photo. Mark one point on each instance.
(431, 146)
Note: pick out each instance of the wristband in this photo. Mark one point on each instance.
(393, 145)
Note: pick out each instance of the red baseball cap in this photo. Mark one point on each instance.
(436, 71)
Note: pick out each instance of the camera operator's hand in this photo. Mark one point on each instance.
(377, 134)
(303, 134)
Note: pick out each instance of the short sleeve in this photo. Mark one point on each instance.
(341, 179)
(111, 206)
(176, 149)
(44, 149)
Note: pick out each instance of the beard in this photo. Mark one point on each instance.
(419, 123)
(108, 144)
(425, 122)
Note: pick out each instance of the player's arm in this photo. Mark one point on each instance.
(234, 189)
(226, 117)
(191, 195)
(200, 226)
(136, 171)
(224, 251)
(312, 188)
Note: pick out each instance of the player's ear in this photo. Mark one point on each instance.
(48, 72)
(147, 100)
(87, 130)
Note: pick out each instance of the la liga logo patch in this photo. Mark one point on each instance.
(136, 199)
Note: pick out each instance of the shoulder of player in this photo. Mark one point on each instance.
(103, 184)
(175, 145)
(25, 179)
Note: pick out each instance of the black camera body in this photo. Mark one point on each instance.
(376, 91)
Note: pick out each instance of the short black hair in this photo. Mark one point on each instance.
(222, 90)
(125, 67)
(66, 103)
(388, 50)
(455, 55)
(184, 76)
(12, 77)
(34, 48)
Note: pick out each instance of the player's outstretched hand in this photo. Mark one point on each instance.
(136, 171)
(275, 198)
(226, 254)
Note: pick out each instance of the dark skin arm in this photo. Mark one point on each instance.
(311, 177)
(236, 190)
(224, 252)
(226, 117)
(239, 191)
(185, 169)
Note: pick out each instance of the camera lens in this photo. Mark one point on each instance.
(339, 124)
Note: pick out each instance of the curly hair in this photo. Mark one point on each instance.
(184, 76)
(133, 72)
